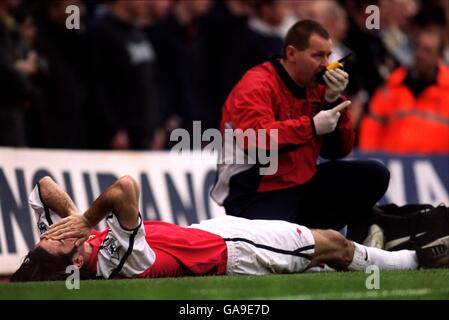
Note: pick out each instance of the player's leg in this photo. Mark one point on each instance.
(332, 248)
(342, 254)
(262, 246)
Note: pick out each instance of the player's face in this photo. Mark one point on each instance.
(57, 247)
(313, 60)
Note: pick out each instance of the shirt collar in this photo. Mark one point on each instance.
(297, 91)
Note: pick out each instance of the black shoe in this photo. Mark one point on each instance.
(434, 254)
(412, 226)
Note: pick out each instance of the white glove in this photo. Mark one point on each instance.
(326, 120)
(336, 81)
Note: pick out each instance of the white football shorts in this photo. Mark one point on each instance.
(257, 247)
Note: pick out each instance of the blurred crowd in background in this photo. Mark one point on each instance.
(136, 70)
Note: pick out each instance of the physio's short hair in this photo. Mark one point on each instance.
(299, 35)
(40, 265)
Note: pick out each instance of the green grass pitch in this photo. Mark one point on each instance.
(421, 284)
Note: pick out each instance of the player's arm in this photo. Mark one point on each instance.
(55, 198)
(121, 198)
(50, 203)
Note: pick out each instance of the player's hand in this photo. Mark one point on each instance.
(326, 120)
(74, 226)
(336, 82)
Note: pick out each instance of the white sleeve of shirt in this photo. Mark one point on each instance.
(45, 217)
(124, 252)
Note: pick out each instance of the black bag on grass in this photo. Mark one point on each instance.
(411, 226)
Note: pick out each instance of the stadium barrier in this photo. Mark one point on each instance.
(174, 188)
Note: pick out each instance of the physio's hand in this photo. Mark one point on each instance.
(74, 226)
(326, 120)
(336, 82)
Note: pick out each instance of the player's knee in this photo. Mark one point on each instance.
(342, 246)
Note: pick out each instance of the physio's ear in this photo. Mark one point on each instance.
(290, 52)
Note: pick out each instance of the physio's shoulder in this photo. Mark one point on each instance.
(260, 78)
(263, 72)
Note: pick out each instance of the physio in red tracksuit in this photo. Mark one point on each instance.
(312, 120)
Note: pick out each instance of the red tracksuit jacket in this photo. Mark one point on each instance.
(268, 98)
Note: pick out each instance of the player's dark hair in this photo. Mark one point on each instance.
(40, 265)
(299, 34)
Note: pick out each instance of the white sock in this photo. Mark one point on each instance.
(385, 260)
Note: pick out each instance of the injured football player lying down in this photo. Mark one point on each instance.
(132, 248)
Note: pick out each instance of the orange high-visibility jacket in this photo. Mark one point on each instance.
(399, 122)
